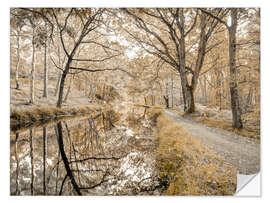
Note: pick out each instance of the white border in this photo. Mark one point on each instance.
(137, 3)
(4, 89)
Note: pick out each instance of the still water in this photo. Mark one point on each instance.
(93, 155)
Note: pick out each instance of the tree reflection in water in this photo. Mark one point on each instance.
(76, 157)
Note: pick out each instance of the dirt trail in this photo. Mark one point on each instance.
(242, 153)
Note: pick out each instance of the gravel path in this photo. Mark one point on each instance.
(242, 153)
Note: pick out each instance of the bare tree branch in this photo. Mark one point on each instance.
(96, 60)
(100, 70)
(215, 17)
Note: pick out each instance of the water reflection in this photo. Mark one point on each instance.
(86, 156)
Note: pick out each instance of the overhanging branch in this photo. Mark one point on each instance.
(100, 70)
(96, 60)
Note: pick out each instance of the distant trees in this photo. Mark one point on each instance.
(34, 31)
(16, 25)
(147, 89)
(18, 59)
(166, 35)
(192, 42)
(33, 65)
(73, 28)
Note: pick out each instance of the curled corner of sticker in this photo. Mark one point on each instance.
(248, 185)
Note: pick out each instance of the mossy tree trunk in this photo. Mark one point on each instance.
(237, 122)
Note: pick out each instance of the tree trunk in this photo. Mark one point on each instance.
(203, 89)
(61, 87)
(249, 97)
(172, 88)
(17, 164)
(45, 81)
(59, 73)
(237, 122)
(182, 64)
(65, 72)
(153, 100)
(44, 159)
(31, 162)
(191, 102)
(58, 83)
(180, 96)
(69, 89)
(32, 82)
(18, 63)
(199, 63)
(166, 101)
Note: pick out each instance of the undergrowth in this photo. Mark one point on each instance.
(185, 165)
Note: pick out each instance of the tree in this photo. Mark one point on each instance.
(32, 75)
(89, 20)
(237, 122)
(17, 23)
(18, 59)
(165, 32)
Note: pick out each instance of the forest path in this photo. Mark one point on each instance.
(242, 153)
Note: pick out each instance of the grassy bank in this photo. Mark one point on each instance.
(185, 164)
(26, 117)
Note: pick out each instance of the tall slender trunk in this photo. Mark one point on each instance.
(31, 162)
(57, 171)
(69, 89)
(203, 89)
(32, 82)
(237, 122)
(59, 73)
(44, 159)
(182, 63)
(57, 83)
(45, 81)
(172, 88)
(17, 163)
(180, 96)
(153, 100)
(166, 96)
(17, 64)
